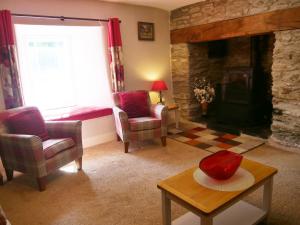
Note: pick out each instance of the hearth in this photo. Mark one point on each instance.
(240, 69)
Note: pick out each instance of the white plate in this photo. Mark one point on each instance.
(241, 180)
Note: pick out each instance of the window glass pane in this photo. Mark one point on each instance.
(47, 75)
(63, 66)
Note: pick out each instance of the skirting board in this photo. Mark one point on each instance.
(241, 213)
(98, 130)
(99, 139)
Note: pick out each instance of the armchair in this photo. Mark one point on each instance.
(3, 219)
(38, 156)
(131, 128)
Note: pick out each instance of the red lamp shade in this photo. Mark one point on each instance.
(221, 165)
(159, 85)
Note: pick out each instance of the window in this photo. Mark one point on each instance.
(63, 66)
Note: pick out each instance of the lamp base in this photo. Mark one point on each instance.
(160, 99)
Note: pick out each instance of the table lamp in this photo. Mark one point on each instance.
(159, 85)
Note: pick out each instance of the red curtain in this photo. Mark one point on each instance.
(115, 53)
(8, 64)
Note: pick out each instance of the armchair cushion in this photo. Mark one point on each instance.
(27, 122)
(53, 146)
(144, 123)
(135, 104)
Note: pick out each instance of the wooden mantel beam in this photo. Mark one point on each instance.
(287, 19)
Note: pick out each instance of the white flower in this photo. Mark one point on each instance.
(203, 90)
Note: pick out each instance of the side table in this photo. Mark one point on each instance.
(175, 108)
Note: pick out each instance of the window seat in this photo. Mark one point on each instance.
(77, 113)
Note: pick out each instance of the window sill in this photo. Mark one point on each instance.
(77, 113)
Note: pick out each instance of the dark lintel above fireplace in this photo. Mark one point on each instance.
(287, 19)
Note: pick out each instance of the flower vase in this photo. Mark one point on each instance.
(204, 106)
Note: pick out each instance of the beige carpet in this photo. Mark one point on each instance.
(117, 188)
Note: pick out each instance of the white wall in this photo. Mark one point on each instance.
(98, 130)
(143, 60)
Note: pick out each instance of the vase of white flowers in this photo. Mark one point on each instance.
(204, 93)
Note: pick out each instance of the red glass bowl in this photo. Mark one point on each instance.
(221, 165)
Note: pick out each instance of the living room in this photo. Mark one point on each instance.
(189, 39)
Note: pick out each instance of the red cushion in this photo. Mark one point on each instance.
(27, 122)
(135, 104)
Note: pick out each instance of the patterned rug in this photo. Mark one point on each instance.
(214, 141)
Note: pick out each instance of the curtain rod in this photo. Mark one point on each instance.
(62, 18)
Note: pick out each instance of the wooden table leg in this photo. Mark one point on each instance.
(206, 220)
(177, 118)
(166, 208)
(267, 197)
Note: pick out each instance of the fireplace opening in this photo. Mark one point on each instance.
(240, 71)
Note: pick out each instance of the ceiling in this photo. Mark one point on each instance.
(162, 4)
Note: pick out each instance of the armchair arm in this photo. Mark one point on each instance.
(65, 129)
(161, 112)
(22, 152)
(122, 125)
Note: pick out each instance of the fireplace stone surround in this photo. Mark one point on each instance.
(187, 61)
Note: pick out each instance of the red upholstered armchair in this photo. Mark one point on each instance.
(137, 119)
(32, 146)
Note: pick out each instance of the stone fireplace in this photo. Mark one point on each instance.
(240, 71)
(272, 60)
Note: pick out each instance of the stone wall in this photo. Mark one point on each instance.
(217, 10)
(188, 61)
(286, 88)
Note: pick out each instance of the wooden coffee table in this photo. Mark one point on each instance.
(208, 206)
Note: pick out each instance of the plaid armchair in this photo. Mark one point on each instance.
(140, 128)
(29, 154)
(3, 219)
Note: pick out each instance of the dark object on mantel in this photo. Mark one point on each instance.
(238, 102)
(217, 49)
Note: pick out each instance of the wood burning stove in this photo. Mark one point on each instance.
(236, 103)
